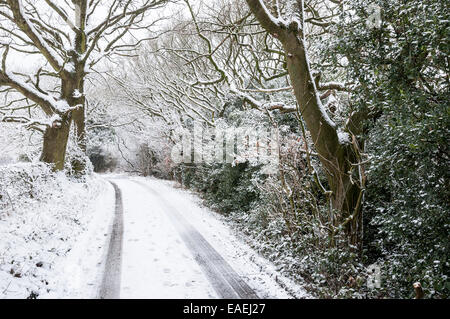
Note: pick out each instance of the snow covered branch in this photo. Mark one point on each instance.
(34, 124)
(333, 86)
(23, 22)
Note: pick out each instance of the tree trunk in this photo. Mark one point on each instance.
(55, 144)
(72, 91)
(336, 157)
(78, 116)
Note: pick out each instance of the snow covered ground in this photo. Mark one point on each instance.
(82, 269)
(44, 218)
(156, 261)
(56, 246)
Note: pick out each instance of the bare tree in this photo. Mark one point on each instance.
(225, 51)
(269, 60)
(71, 37)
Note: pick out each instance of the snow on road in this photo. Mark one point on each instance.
(110, 286)
(159, 262)
(155, 262)
(226, 282)
(165, 244)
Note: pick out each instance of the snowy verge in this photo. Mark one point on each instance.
(47, 233)
(82, 269)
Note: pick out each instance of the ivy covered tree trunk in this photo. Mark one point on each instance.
(337, 155)
(77, 99)
(72, 92)
(79, 164)
(56, 137)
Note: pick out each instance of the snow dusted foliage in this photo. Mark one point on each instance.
(400, 67)
(42, 215)
(127, 130)
(74, 155)
(18, 144)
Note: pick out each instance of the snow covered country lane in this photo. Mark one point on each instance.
(126, 237)
(163, 244)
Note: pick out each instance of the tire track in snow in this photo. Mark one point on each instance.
(110, 287)
(225, 281)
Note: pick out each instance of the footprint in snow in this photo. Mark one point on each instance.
(169, 284)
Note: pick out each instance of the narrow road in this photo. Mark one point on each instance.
(155, 252)
(110, 288)
(224, 279)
